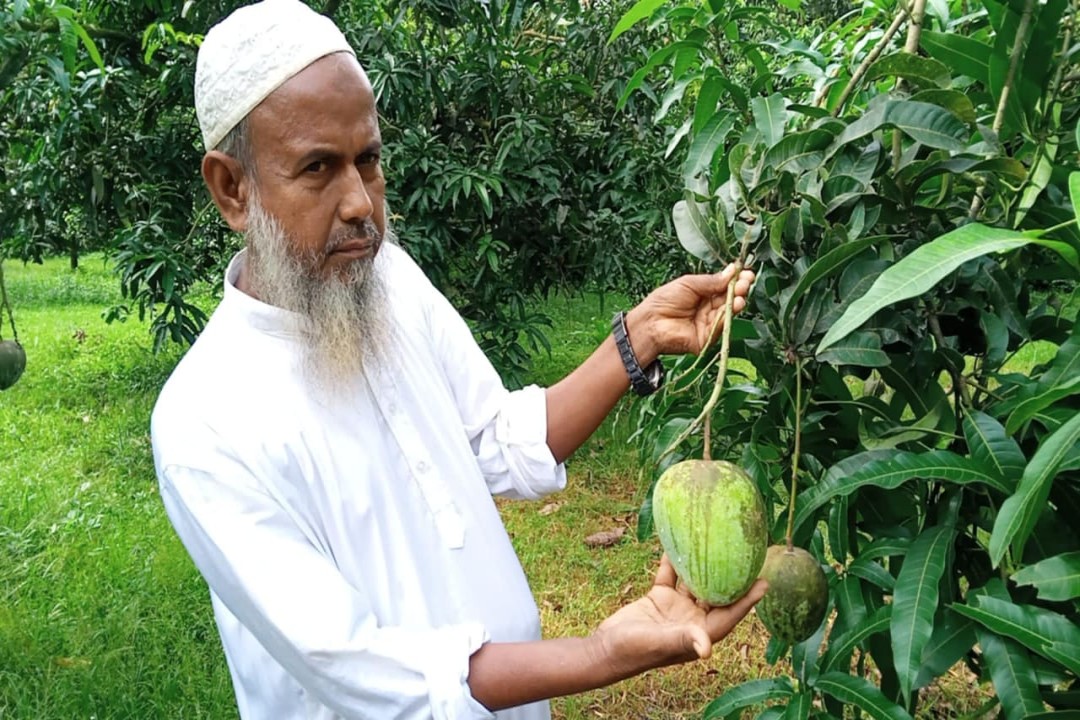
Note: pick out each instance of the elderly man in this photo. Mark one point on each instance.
(328, 449)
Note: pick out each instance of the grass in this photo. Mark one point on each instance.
(103, 615)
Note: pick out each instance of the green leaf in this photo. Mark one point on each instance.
(825, 266)
(707, 99)
(915, 601)
(991, 447)
(953, 637)
(1056, 578)
(929, 124)
(1013, 676)
(799, 152)
(859, 348)
(752, 692)
(705, 144)
(1047, 633)
(799, 706)
(956, 102)
(916, 69)
(642, 9)
(770, 117)
(890, 472)
(859, 692)
(919, 271)
(91, 48)
(1043, 398)
(963, 54)
(1020, 512)
(692, 230)
(841, 646)
(872, 572)
(1074, 184)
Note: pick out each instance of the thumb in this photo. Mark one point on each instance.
(700, 641)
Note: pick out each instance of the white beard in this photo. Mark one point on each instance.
(343, 316)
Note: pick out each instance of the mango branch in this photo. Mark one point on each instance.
(860, 71)
(1003, 102)
(795, 454)
(918, 13)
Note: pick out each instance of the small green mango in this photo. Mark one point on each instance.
(798, 594)
(12, 363)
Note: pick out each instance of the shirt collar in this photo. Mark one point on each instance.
(260, 315)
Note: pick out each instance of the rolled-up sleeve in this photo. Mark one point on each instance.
(258, 561)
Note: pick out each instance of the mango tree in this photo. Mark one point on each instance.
(903, 180)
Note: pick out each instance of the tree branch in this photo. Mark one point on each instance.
(94, 31)
(868, 61)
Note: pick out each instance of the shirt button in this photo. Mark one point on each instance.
(422, 466)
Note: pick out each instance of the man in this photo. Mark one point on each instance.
(328, 449)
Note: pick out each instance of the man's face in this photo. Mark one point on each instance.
(316, 147)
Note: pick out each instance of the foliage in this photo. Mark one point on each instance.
(511, 172)
(907, 209)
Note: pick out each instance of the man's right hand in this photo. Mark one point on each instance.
(668, 626)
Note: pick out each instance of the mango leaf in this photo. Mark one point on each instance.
(707, 99)
(918, 70)
(841, 646)
(1056, 578)
(1011, 672)
(956, 102)
(915, 601)
(692, 230)
(991, 447)
(859, 348)
(963, 54)
(704, 145)
(770, 117)
(953, 637)
(642, 9)
(886, 547)
(752, 692)
(1020, 512)
(1044, 397)
(799, 705)
(859, 692)
(1047, 633)
(851, 610)
(929, 124)
(1074, 184)
(839, 190)
(799, 152)
(825, 266)
(891, 472)
(872, 572)
(920, 270)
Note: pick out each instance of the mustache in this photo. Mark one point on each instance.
(364, 230)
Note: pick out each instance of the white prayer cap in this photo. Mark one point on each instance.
(253, 52)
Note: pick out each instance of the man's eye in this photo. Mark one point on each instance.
(317, 166)
(368, 159)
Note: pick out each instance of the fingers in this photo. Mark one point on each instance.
(700, 642)
(665, 574)
(720, 621)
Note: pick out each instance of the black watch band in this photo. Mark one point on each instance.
(644, 381)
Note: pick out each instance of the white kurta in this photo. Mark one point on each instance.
(354, 555)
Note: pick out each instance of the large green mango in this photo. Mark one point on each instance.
(12, 363)
(711, 522)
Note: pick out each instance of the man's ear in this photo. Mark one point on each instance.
(229, 186)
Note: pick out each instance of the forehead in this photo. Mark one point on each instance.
(328, 102)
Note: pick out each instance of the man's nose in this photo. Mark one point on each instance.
(356, 204)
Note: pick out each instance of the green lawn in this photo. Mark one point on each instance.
(102, 613)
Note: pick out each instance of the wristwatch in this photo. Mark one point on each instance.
(644, 381)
